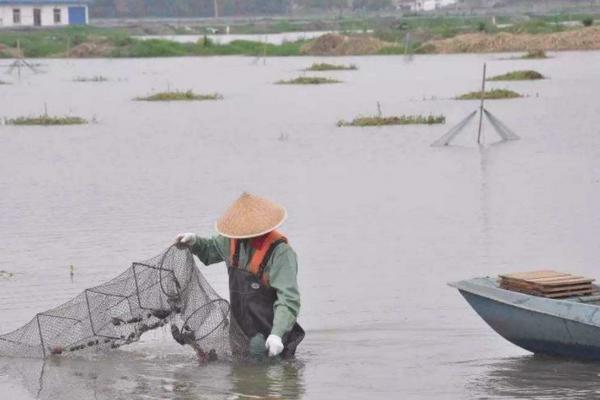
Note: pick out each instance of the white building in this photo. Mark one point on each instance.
(430, 5)
(15, 13)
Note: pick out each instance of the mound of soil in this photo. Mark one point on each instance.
(9, 52)
(578, 39)
(92, 48)
(332, 44)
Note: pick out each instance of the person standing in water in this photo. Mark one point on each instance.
(262, 267)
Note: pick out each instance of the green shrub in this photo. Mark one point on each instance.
(535, 26)
(155, 48)
(587, 21)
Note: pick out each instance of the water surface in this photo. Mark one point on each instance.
(272, 38)
(380, 220)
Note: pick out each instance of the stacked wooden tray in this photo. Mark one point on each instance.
(551, 284)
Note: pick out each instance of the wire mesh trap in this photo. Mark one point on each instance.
(501, 129)
(167, 289)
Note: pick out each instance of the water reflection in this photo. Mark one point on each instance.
(537, 377)
(276, 381)
(172, 377)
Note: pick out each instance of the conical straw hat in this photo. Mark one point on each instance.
(250, 216)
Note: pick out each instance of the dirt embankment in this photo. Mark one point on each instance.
(94, 47)
(578, 39)
(332, 44)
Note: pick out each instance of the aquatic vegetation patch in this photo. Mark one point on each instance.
(180, 96)
(308, 80)
(494, 94)
(395, 120)
(526, 75)
(96, 78)
(47, 120)
(534, 54)
(331, 67)
(6, 274)
(4, 83)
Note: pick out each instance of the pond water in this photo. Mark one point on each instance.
(273, 38)
(381, 221)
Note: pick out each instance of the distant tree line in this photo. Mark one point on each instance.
(209, 8)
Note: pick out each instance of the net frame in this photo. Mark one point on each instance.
(166, 289)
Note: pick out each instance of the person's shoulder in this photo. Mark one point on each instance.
(285, 250)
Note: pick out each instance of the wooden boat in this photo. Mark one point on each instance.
(568, 327)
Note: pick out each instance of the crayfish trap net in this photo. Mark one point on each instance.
(167, 289)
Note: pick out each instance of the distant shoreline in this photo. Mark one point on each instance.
(440, 35)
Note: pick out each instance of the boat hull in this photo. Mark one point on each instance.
(538, 332)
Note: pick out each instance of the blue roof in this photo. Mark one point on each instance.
(40, 2)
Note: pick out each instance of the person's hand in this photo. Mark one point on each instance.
(274, 345)
(186, 239)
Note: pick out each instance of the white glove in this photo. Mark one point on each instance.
(187, 239)
(274, 345)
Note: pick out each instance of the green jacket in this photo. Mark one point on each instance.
(281, 268)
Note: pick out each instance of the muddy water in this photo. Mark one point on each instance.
(380, 220)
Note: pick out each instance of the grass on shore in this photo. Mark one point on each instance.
(180, 96)
(97, 78)
(117, 42)
(307, 80)
(534, 54)
(494, 94)
(331, 67)
(395, 120)
(167, 48)
(526, 75)
(47, 120)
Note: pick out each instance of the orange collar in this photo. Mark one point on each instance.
(258, 241)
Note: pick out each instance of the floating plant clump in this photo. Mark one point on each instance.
(180, 96)
(308, 80)
(6, 274)
(526, 75)
(494, 94)
(97, 78)
(47, 120)
(395, 120)
(331, 67)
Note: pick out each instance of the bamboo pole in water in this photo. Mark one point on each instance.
(481, 106)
